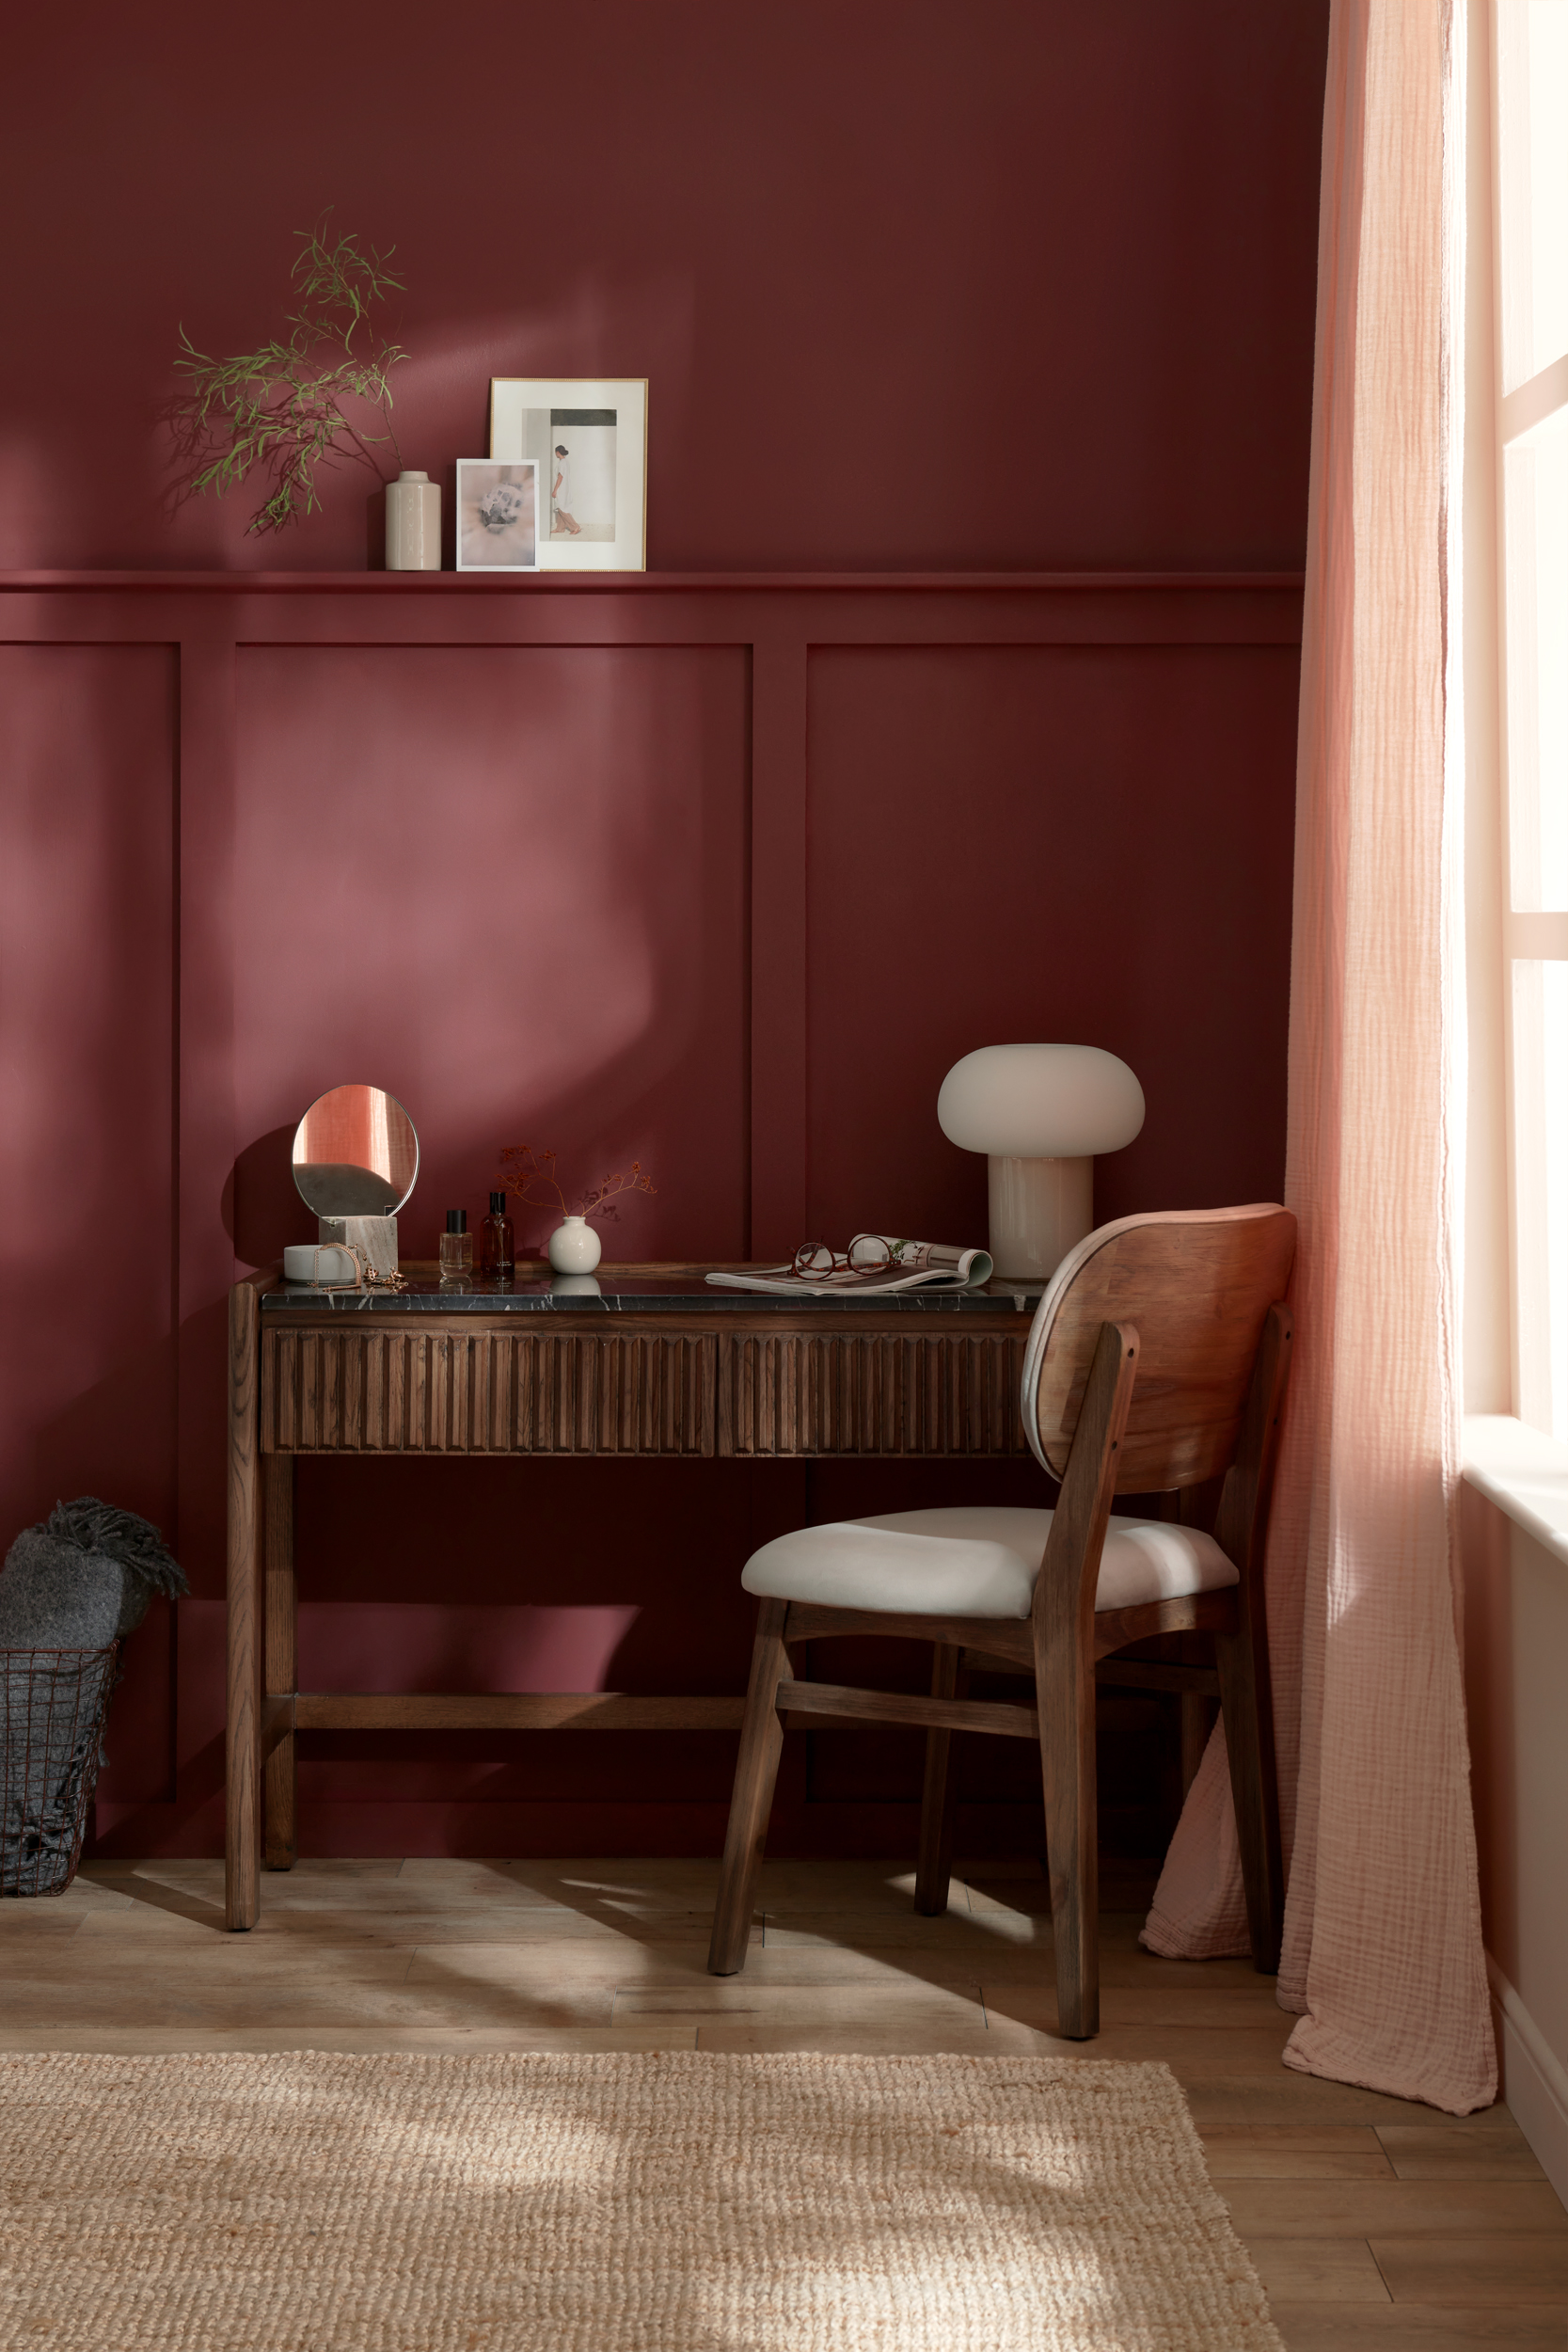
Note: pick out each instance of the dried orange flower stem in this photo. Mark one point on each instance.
(527, 1168)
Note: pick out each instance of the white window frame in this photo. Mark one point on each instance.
(1531, 938)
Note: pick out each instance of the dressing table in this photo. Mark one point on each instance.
(641, 1359)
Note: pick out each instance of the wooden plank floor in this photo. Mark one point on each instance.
(1374, 2223)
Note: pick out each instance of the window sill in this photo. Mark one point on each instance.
(1524, 1472)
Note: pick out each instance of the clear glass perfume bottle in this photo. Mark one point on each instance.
(457, 1246)
(498, 1249)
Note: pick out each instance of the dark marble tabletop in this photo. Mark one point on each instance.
(681, 1290)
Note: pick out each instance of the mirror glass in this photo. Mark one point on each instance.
(356, 1154)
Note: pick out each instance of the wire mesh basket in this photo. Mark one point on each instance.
(52, 1703)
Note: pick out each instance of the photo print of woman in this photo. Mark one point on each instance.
(576, 450)
(561, 491)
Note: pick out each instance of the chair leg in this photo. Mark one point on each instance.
(756, 1768)
(1064, 1688)
(1246, 1709)
(934, 1871)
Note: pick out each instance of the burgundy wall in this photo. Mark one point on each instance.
(514, 848)
(1020, 282)
(1020, 286)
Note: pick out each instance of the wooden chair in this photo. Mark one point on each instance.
(1157, 1360)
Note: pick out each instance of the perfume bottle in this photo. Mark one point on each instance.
(498, 1251)
(458, 1244)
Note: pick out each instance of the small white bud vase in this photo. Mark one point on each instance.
(574, 1247)
(413, 524)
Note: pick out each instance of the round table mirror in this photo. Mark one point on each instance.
(356, 1154)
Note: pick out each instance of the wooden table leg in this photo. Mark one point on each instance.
(282, 1668)
(242, 1798)
(934, 1868)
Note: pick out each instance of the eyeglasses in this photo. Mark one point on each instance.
(866, 1254)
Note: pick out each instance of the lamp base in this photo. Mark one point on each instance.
(1040, 1210)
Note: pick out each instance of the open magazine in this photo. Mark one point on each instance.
(873, 1262)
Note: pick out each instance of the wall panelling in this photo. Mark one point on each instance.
(719, 872)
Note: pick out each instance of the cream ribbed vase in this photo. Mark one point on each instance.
(413, 524)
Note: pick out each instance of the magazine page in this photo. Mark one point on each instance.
(873, 1262)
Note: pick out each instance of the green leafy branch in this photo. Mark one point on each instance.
(281, 408)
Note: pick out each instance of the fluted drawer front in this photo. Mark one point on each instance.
(421, 1392)
(346, 1388)
(643, 1393)
(879, 1393)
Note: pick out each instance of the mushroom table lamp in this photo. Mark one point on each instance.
(1040, 1113)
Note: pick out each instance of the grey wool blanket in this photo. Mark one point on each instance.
(79, 1583)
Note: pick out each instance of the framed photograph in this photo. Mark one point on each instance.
(497, 516)
(590, 442)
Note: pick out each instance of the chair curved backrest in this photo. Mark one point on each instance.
(1197, 1283)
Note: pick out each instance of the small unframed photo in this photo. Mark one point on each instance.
(497, 516)
(590, 440)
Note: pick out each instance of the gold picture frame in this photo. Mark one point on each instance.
(589, 435)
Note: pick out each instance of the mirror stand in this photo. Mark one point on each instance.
(377, 1236)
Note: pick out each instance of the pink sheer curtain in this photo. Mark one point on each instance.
(1383, 1949)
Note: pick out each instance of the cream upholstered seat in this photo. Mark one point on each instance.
(975, 1563)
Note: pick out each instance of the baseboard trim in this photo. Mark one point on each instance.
(1534, 2080)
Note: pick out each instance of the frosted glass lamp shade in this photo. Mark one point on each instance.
(1039, 1113)
(1040, 1101)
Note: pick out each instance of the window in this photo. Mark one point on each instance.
(1531, 80)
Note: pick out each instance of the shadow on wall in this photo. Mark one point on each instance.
(264, 1212)
(455, 1645)
(540, 941)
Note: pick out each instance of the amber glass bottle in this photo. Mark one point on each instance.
(498, 1247)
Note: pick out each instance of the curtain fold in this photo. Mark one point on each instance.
(1382, 1950)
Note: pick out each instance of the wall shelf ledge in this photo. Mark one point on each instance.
(285, 583)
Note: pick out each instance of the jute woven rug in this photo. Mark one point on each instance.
(667, 2203)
